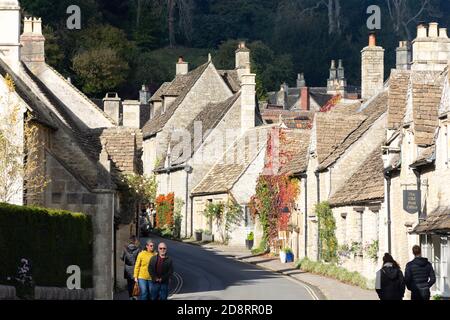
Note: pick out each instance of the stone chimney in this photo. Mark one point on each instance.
(132, 114)
(404, 56)
(301, 80)
(182, 67)
(431, 48)
(10, 32)
(243, 64)
(144, 95)
(305, 99)
(111, 106)
(248, 101)
(372, 65)
(282, 96)
(337, 83)
(33, 43)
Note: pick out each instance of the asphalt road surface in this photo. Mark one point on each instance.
(201, 274)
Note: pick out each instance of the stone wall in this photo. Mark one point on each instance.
(66, 192)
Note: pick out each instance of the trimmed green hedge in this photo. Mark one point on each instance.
(51, 239)
(333, 271)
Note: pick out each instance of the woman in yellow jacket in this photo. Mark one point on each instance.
(141, 274)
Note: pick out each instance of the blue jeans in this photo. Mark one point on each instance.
(160, 290)
(145, 286)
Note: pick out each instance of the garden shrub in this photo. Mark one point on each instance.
(333, 271)
(51, 239)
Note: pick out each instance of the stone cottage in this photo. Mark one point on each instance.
(195, 119)
(82, 150)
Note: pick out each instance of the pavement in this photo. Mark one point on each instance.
(323, 287)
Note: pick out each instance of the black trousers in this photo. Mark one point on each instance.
(130, 286)
(416, 295)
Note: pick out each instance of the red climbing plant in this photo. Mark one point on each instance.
(275, 192)
(165, 210)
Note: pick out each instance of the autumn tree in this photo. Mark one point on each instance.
(22, 164)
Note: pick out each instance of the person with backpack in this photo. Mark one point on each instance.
(419, 276)
(390, 281)
(129, 257)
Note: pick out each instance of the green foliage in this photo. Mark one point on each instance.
(179, 203)
(226, 216)
(51, 239)
(372, 250)
(262, 248)
(328, 240)
(100, 70)
(287, 250)
(333, 271)
(251, 236)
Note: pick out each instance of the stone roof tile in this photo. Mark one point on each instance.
(366, 184)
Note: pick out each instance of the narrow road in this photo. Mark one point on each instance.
(206, 275)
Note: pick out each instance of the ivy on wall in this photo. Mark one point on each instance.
(327, 232)
(225, 215)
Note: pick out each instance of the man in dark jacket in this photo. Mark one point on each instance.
(419, 276)
(160, 269)
(129, 256)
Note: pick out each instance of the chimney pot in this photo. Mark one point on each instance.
(28, 25)
(422, 31)
(372, 39)
(37, 26)
(433, 30)
(182, 66)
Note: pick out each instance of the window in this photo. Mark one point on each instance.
(361, 227)
(344, 227)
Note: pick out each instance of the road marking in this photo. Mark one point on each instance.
(179, 284)
(306, 286)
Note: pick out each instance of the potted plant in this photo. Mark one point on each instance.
(198, 234)
(250, 241)
(207, 236)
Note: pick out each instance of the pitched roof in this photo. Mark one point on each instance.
(38, 110)
(366, 184)
(209, 117)
(437, 221)
(375, 108)
(158, 95)
(180, 87)
(426, 99)
(331, 129)
(398, 91)
(297, 143)
(231, 78)
(227, 171)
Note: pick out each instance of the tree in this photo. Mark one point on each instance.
(100, 70)
(402, 13)
(22, 164)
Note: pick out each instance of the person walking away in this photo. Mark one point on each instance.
(129, 257)
(390, 280)
(141, 274)
(419, 276)
(161, 269)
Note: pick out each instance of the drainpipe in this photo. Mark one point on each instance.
(305, 176)
(419, 188)
(387, 176)
(192, 217)
(188, 170)
(317, 173)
